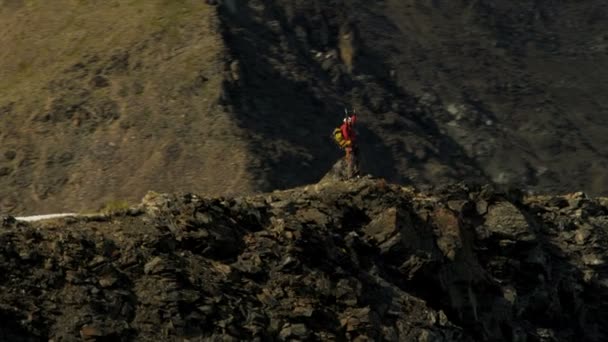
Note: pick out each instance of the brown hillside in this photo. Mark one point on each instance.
(102, 101)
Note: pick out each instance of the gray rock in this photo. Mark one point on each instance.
(155, 265)
(298, 331)
(506, 221)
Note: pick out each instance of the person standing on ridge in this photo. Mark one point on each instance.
(346, 137)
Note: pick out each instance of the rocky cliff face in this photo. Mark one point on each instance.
(349, 261)
(450, 90)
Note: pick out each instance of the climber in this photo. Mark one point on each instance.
(346, 137)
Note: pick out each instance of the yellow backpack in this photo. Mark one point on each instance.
(339, 138)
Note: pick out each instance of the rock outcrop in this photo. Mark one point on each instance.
(359, 260)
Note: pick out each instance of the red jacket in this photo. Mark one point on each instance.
(348, 130)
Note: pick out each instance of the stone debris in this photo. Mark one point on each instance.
(357, 260)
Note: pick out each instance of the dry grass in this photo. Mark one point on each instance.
(164, 130)
(43, 38)
(115, 206)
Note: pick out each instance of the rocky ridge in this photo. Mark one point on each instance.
(356, 260)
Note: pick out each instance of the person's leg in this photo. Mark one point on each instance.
(355, 162)
(349, 163)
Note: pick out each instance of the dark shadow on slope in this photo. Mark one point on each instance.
(375, 158)
(288, 104)
(12, 330)
(372, 61)
(571, 307)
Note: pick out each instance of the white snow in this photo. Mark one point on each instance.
(43, 217)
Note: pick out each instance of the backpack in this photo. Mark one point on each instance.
(338, 138)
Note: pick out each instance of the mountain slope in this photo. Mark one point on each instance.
(448, 90)
(522, 83)
(105, 101)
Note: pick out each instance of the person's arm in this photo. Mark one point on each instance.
(345, 132)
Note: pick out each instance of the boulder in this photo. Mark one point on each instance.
(505, 221)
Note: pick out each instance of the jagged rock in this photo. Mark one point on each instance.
(107, 280)
(384, 226)
(482, 207)
(153, 202)
(357, 319)
(298, 331)
(582, 234)
(504, 220)
(449, 238)
(251, 265)
(575, 200)
(8, 220)
(88, 332)
(312, 215)
(558, 202)
(592, 259)
(354, 261)
(156, 265)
